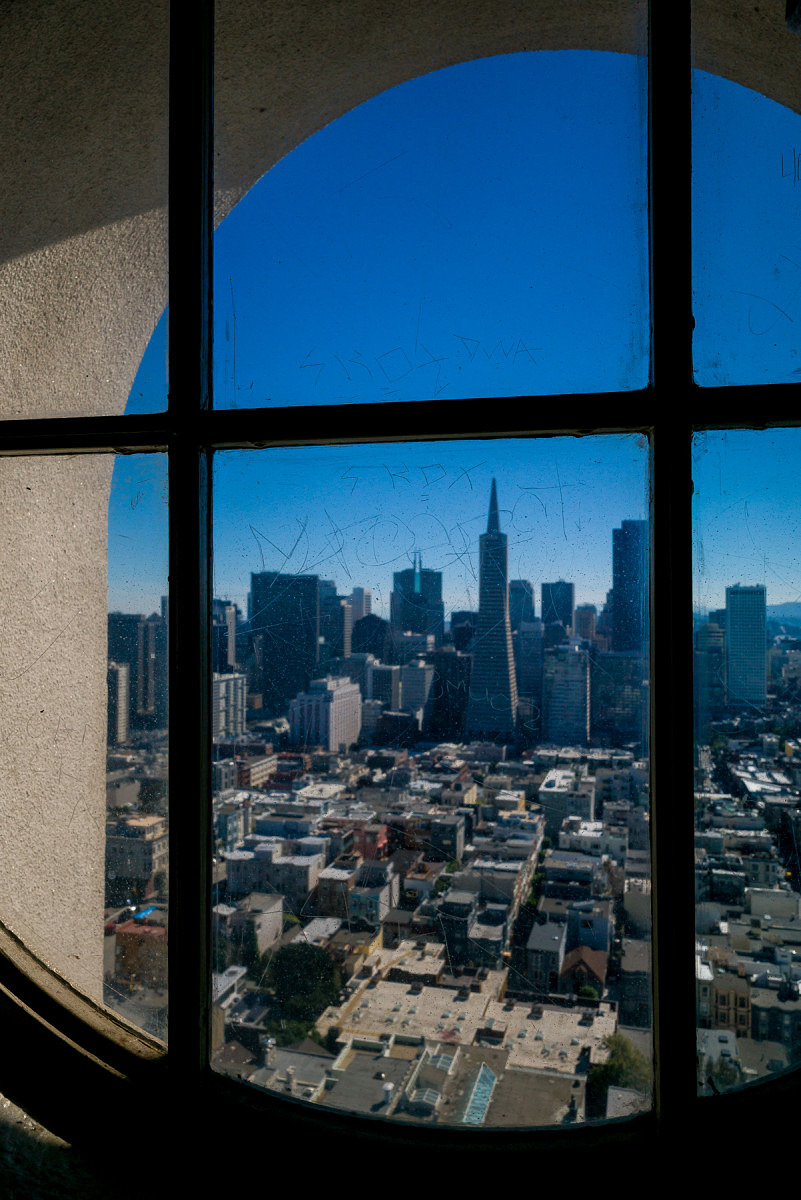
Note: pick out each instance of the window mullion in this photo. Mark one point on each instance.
(671, 573)
(190, 182)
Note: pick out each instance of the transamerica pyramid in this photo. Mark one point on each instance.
(492, 704)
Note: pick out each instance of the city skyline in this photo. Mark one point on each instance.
(443, 216)
(359, 514)
(426, 499)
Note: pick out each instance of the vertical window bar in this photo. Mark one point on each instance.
(671, 570)
(190, 229)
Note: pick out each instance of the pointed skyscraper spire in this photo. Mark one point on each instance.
(493, 523)
(492, 701)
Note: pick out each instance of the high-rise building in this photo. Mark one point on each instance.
(336, 628)
(521, 603)
(746, 647)
(329, 714)
(224, 621)
(119, 682)
(373, 635)
(416, 600)
(709, 676)
(558, 602)
(361, 602)
(449, 692)
(492, 705)
(529, 647)
(630, 587)
(141, 642)
(285, 627)
(384, 684)
(585, 621)
(417, 679)
(619, 699)
(463, 628)
(566, 696)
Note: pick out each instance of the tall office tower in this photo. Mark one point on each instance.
(223, 634)
(153, 674)
(228, 704)
(373, 635)
(529, 647)
(746, 647)
(336, 628)
(463, 628)
(448, 698)
(604, 626)
(492, 706)
(361, 601)
(285, 626)
(566, 696)
(585, 621)
(558, 602)
(415, 602)
(356, 667)
(619, 699)
(384, 684)
(329, 714)
(709, 677)
(417, 679)
(630, 587)
(142, 643)
(521, 603)
(119, 681)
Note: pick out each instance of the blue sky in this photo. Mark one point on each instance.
(356, 514)
(482, 231)
(747, 513)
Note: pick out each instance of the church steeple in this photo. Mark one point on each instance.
(493, 523)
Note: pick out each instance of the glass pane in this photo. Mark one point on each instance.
(137, 861)
(746, 175)
(747, 636)
(83, 267)
(83, 690)
(446, 239)
(432, 880)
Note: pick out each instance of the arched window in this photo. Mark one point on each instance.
(104, 1062)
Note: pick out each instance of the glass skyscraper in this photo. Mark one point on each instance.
(746, 647)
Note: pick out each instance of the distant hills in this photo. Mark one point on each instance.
(790, 611)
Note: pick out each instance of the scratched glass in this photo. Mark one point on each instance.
(479, 231)
(431, 794)
(747, 676)
(137, 814)
(94, 779)
(746, 201)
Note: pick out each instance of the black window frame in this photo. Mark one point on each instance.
(94, 1066)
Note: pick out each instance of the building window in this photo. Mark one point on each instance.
(189, 433)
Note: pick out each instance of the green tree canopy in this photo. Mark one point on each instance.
(626, 1067)
(304, 980)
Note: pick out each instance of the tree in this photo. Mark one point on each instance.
(304, 980)
(625, 1067)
